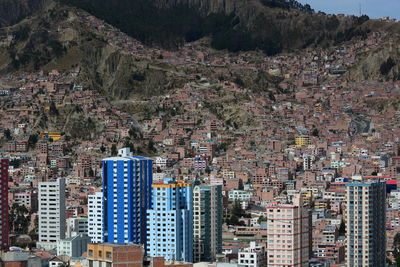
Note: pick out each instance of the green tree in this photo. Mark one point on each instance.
(132, 133)
(19, 219)
(114, 151)
(33, 139)
(234, 220)
(342, 228)
(7, 134)
(262, 219)
(387, 66)
(22, 33)
(237, 209)
(150, 146)
(53, 109)
(129, 144)
(102, 148)
(396, 249)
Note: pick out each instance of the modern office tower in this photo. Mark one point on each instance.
(288, 233)
(170, 221)
(51, 213)
(95, 217)
(127, 195)
(365, 223)
(4, 228)
(207, 222)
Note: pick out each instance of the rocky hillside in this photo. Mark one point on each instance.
(58, 38)
(12, 11)
(269, 25)
(382, 63)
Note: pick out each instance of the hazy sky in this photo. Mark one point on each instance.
(372, 8)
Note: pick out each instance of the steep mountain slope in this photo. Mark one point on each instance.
(56, 37)
(270, 25)
(12, 11)
(381, 63)
(59, 38)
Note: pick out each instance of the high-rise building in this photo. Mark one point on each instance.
(170, 221)
(365, 223)
(51, 213)
(95, 217)
(288, 233)
(4, 229)
(207, 222)
(127, 195)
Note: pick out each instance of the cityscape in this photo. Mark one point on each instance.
(118, 151)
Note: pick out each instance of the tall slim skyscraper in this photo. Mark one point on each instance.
(95, 217)
(4, 228)
(170, 221)
(288, 233)
(51, 213)
(365, 223)
(207, 222)
(127, 195)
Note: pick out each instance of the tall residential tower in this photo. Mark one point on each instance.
(127, 195)
(365, 223)
(288, 233)
(170, 221)
(51, 213)
(95, 217)
(207, 222)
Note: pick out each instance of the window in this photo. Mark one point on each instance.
(90, 252)
(100, 253)
(108, 255)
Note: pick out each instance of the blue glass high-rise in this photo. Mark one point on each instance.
(170, 221)
(127, 195)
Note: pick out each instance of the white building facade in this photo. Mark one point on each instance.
(253, 256)
(95, 217)
(77, 225)
(51, 213)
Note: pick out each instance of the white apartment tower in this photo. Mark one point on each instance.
(288, 233)
(51, 213)
(95, 214)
